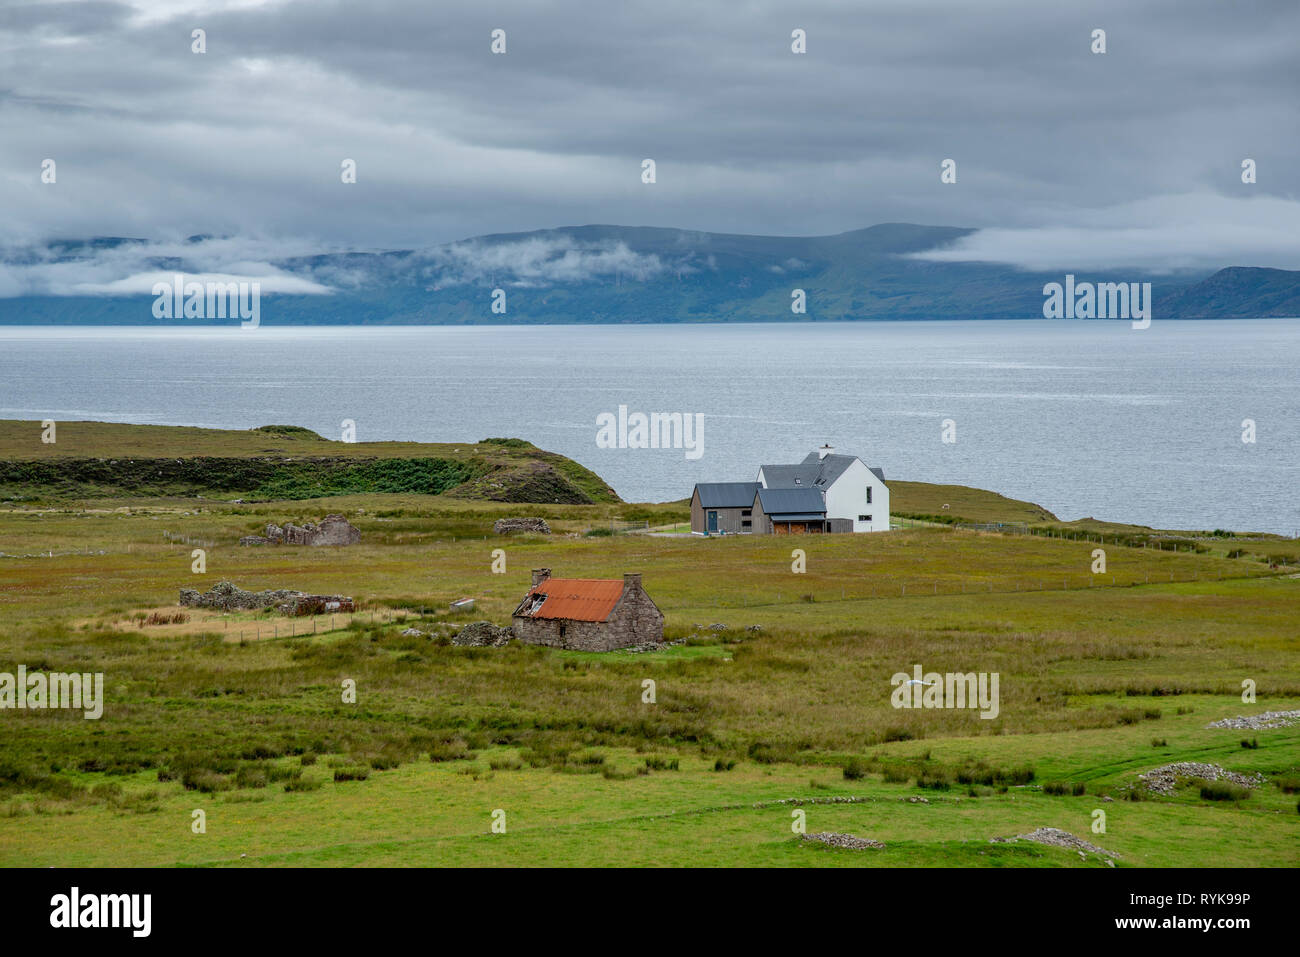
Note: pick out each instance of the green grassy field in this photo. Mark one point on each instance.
(777, 699)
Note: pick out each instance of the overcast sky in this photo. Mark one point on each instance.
(1063, 156)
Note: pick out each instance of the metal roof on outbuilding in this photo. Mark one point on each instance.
(576, 599)
(726, 494)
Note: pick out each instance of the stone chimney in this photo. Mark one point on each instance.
(540, 575)
(824, 451)
(632, 581)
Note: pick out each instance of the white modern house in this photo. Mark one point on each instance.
(852, 492)
(825, 492)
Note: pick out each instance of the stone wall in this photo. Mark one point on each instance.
(504, 526)
(226, 596)
(332, 530)
(483, 634)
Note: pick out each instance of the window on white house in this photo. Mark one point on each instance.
(868, 494)
(864, 518)
(746, 512)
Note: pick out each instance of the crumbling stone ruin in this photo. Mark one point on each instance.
(504, 526)
(483, 634)
(226, 596)
(332, 530)
(587, 614)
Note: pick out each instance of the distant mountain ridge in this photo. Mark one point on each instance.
(622, 274)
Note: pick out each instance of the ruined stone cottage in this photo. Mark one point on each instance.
(332, 530)
(587, 614)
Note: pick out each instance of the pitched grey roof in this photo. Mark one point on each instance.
(806, 502)
(812, 472)
(726, 494)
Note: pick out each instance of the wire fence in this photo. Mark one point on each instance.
(301, 626)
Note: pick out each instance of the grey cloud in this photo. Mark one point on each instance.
(1167, 233)
(133, 268)
(453, 142)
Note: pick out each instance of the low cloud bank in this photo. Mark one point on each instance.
(538, 261)
(1162, 234)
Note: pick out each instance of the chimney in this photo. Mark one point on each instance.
(824, 451)
(632, 581)
(540, 575)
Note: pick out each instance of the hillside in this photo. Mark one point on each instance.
(1237, 293)
(101, 459)
(618, 274)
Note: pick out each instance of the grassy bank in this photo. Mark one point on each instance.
(91, 460)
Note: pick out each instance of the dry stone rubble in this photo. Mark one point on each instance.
(483, 634)
(1055, 837)
(1164, 780)
(332, 530)
(1254, 722)
(504, 526)
(843, 840)
(226, 596)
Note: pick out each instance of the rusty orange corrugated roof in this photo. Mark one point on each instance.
(578, 599)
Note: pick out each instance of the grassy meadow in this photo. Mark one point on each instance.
(775, 700)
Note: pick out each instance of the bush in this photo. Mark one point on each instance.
(1059, 788)
(1223, 791)
(204, 780)
(980, 774)
(1289, 783)
(854, 770)
(723, 765)
(660, 764)
(1251, 744)
(934, 780)
(303, 784)
(1159, 743)
(351, 774)
(454, 750)
(250, 776)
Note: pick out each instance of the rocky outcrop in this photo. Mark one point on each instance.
(505, 526)
(483, 634)
(332, 530)
(226, 596)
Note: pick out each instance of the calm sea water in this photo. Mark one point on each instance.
(1085, 418)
